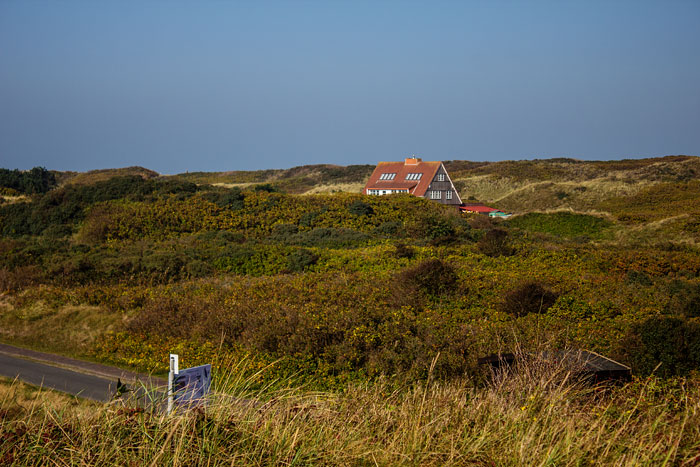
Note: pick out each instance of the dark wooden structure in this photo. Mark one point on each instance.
(589, 364)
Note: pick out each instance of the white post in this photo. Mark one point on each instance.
(174, 370)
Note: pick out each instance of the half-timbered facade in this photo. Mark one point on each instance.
(413, 176)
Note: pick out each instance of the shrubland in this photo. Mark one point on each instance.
(383, 302)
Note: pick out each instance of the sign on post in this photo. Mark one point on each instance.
(189, 387)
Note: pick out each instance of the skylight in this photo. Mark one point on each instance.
(414, 176)
(387, 176)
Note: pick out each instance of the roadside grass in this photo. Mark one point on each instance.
(69, 330)
(539, 415)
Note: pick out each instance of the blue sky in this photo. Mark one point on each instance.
(240, 85)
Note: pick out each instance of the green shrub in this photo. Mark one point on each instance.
(388, 229)
(439, 230)
(667, 346)
(495, 243)
(265, 187)
(685, 299)
(226, 236)
(329, 238)
(433, 277)
(232, 199)
(284, 232)
(403, 251)
(638, 278)
(529, 297)
(36, 180)
(360, 208)
(299, 260)
(198, 268)
(164, 266)
(308, 219)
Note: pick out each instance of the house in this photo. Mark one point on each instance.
(416, 177)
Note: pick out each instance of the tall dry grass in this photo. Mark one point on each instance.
(538, 415)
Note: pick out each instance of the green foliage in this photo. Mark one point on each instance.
(36, 180)
(233, 198)
(329, 238)
(685, 299)
(433, 277)
(664, 345)
(495, 243)
(254, 261)
(266, 187)
(360, 208)
(388, 229)
(301, 259)
(439, 228)
(529, 297)
(64, 207)
(284, 232)
(638, 278)
(563, 224)
(404, 251)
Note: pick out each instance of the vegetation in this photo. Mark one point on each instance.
(37, 180)
(381, 303)
(538, 416)
(564, 224)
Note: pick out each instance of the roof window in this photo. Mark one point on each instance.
(387, 176)
(414, 176)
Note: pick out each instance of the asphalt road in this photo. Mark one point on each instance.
(84, 379)
(61, 379)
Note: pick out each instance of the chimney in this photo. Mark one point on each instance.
(413, 160)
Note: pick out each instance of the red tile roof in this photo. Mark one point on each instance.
(401, 169)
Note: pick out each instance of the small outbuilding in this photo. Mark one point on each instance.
(481, 208)
(588, 363)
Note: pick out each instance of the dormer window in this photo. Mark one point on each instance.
(414, 176)
(387, 176)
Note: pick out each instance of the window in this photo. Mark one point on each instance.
(387, 176)
(372, 192)
(441, 177)
(414, 176)
(435, 194)
(448, 194)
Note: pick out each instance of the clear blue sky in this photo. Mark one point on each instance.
(214, 85)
